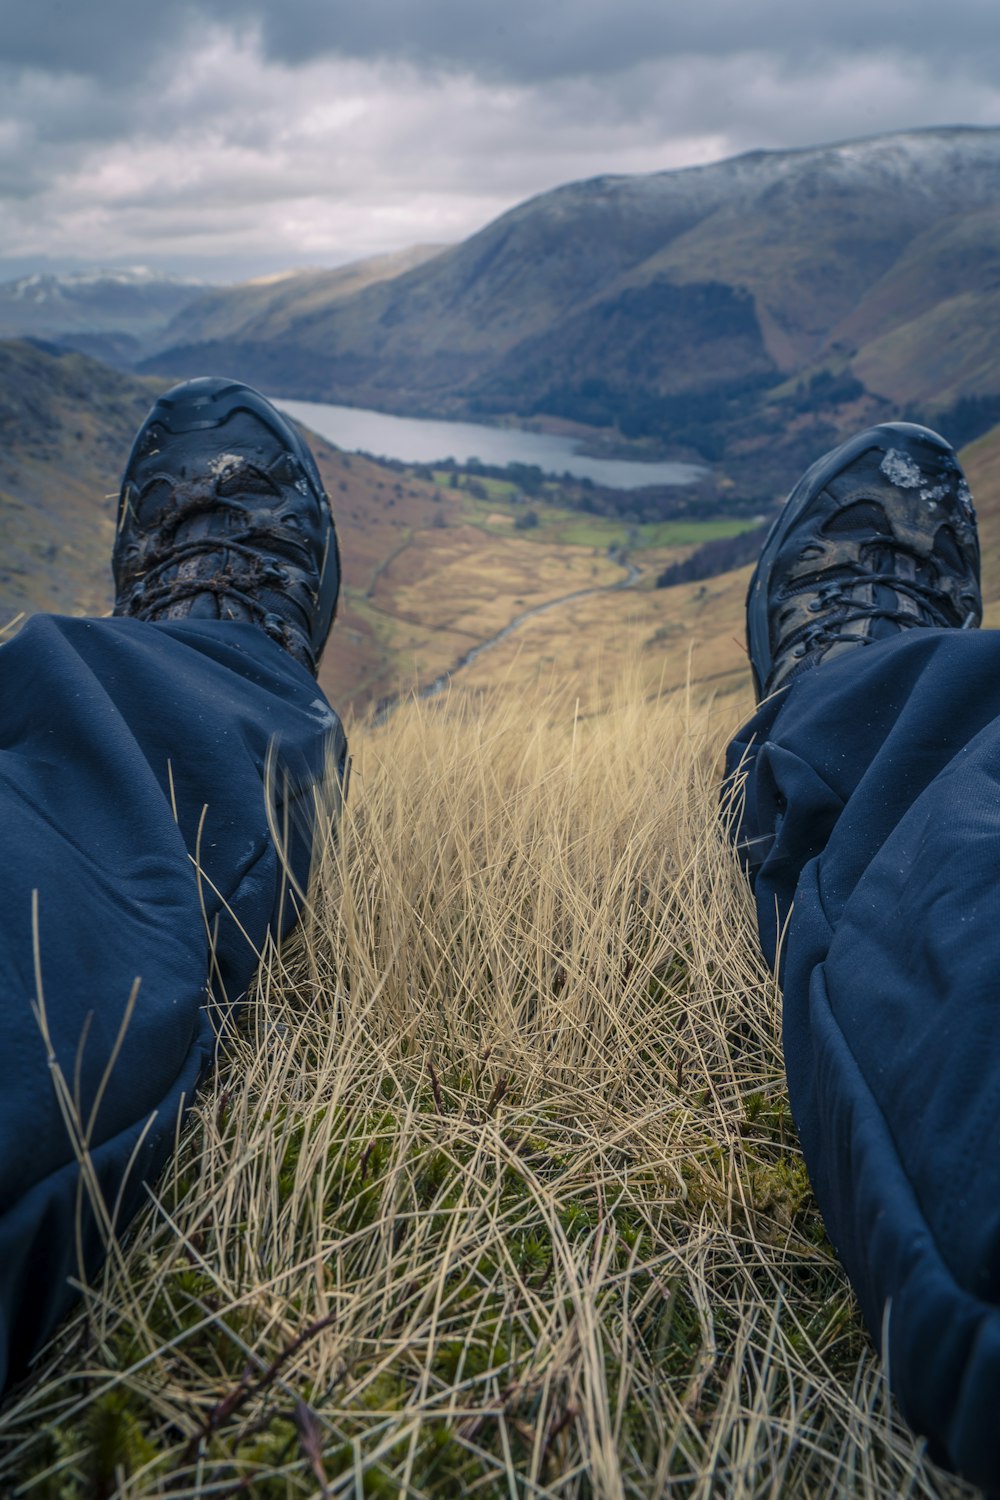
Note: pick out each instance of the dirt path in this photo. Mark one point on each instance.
(438, 685)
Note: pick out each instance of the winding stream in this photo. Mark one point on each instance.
(431, 689)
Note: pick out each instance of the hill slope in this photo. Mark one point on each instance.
(265, 308)
(718, 307)
(66, 426)
(429, 572)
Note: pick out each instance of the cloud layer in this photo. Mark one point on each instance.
(235, 139)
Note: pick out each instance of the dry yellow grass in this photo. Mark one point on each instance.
(496, 1192)
(660, 639)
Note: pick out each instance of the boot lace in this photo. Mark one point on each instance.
(838, 595)
(239, 579)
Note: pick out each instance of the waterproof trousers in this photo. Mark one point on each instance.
(872, 816)
(141, 875)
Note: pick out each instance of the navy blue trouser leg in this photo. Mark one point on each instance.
(873, 804)
(127, 751)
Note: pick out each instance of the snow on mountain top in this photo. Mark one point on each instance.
(921, 155)
(45, 285)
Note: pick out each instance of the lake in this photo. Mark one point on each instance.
(420, 440)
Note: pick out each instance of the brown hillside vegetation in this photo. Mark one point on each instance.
(429, 574)
(427, 577)
(66, 426)
(262, 308)
(692, 634)
(496, 1191)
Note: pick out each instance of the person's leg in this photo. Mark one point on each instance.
(871, 827)
(149, 768)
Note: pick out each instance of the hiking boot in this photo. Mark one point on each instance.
(877, 537)
(223, 516)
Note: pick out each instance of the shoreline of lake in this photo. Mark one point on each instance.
(427, 440)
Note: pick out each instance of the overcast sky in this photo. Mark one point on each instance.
(230, 138)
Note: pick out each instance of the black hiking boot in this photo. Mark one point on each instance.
(223, 516)
(877, 537)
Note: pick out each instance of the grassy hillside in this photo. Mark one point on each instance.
(496, 1191)
(66, 427)
(430, 571)
(264, 308)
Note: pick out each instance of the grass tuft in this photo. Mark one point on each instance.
(497, 1191)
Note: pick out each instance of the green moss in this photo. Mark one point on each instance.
(89, 1459)
(771, 1119)
(491, 1325)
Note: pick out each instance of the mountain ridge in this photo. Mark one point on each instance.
(742, 312)
(616, 301)
(121, 315)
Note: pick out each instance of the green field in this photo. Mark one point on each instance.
(560, 525)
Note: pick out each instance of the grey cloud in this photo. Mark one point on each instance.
(531, 40)
(105, 39)
(525, 40)
(304, 133)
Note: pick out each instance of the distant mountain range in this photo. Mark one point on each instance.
(753, 306)
(747, 311)
(124, 315)
(112, 314)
